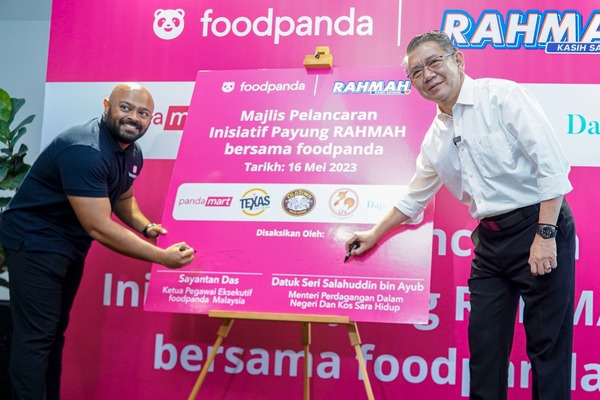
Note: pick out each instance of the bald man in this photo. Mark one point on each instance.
(65, 202)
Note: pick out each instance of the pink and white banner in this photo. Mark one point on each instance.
(275, 170)
(116, 350)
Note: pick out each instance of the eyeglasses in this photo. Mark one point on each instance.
(434, 64)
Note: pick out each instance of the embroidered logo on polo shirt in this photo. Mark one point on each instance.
(133, 174)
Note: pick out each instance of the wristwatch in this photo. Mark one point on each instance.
(145, 230)
(547, 231)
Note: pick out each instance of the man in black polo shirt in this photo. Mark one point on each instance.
(66, 201)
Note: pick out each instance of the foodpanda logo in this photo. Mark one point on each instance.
(228, 87)
(168, 24)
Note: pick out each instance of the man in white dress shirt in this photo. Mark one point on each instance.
(494, 149)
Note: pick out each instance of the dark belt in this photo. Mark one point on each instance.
(505, 221)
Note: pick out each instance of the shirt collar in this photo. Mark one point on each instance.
(465, 97)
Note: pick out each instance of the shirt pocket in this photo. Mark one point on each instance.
(495, 154)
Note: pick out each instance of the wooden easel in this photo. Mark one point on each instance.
(306, 320)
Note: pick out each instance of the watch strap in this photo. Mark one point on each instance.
(547, 231)
(145, 230)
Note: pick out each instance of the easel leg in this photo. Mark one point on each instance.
(355, 342)
(221, 334)
(306, 338)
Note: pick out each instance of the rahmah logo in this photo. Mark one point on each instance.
(372, 87)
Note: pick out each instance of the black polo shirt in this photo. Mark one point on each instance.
(82, 161)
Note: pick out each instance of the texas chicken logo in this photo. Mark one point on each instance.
(255, 201)
(168, 24)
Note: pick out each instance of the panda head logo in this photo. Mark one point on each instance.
(228, 87)
(168, 24)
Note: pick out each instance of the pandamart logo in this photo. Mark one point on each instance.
(173, 120)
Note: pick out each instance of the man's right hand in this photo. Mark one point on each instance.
(366, 241)
(369, 238)
(178, 255)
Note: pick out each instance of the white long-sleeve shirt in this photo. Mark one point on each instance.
(498, 152)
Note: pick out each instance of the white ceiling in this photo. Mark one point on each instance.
(25, 10)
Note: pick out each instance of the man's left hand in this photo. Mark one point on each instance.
(542, 256)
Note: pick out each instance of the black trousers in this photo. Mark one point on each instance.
(42, 291)
(500, 274)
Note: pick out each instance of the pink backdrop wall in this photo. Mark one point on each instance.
(116, 350)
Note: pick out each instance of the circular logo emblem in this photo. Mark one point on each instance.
(255, 201)
(228, 87)
(343, 202)
(298, 202)
(168, 24)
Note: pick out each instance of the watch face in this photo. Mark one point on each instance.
(547, 231)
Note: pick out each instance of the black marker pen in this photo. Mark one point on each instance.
(353, 246)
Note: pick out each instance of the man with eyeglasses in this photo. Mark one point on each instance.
(494, 149)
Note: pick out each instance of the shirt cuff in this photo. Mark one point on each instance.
(554, 186)
(412, 209)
